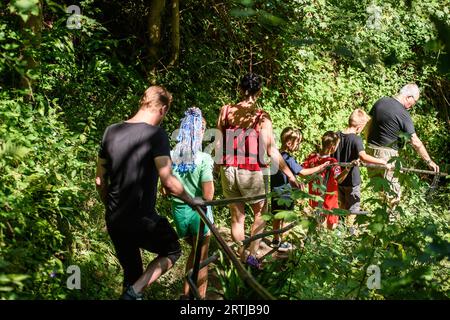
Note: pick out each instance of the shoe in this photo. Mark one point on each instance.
(253, 262)
(285, 246)
(275, 243)
(184, 297)
(130, 294)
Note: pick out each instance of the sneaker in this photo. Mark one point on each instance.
(285, 246)
(275, 243)
(130, 294)
(253, 262)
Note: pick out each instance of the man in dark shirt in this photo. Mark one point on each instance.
(390, 116)
(132, 156)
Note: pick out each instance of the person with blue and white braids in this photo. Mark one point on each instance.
(194, 169)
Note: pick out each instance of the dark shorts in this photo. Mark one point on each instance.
(153, 234)
(350, 198)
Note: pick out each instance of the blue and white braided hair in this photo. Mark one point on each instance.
(189, 141)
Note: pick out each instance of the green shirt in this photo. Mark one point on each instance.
(192, 181)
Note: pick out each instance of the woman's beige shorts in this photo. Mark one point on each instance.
(243, 183)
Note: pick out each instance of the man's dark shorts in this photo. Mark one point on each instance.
(154, 234)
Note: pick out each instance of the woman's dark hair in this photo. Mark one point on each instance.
(250, 84)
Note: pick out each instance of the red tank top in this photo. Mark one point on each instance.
(241, 145)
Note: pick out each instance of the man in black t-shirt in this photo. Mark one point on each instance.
(132, 156)
(390, 117)
(351, 148)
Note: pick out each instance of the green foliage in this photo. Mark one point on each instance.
(319, 60)
(25, 8)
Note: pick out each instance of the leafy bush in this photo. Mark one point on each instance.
(60, 88)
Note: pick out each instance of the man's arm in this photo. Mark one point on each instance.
(101, 182)
(272, 151)
(169, 181)
(422, 151)
(364, 157)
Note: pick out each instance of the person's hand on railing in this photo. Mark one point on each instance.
(433, 166)
(323, 166)
(356, 163)
(197, 202)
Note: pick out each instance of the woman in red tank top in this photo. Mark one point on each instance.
(247, 138)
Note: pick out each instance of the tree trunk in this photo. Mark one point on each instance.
(175, 31)
(31, 30)
(154, 27)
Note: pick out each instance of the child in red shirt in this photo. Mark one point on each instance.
(331, 177)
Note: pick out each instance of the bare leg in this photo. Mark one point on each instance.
(203, 273)
(257, 226)
(189, 263)
(155, 269)
(238, 224)
(276, 224)
(202, 280)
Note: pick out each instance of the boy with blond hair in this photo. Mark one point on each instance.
(351, 148)
(290, 142)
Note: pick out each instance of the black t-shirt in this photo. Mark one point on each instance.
(389, 118)
(348, 150)
(279, 179)
(129, 150)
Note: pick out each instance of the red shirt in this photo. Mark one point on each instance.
(331, 196)
(242, 147)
